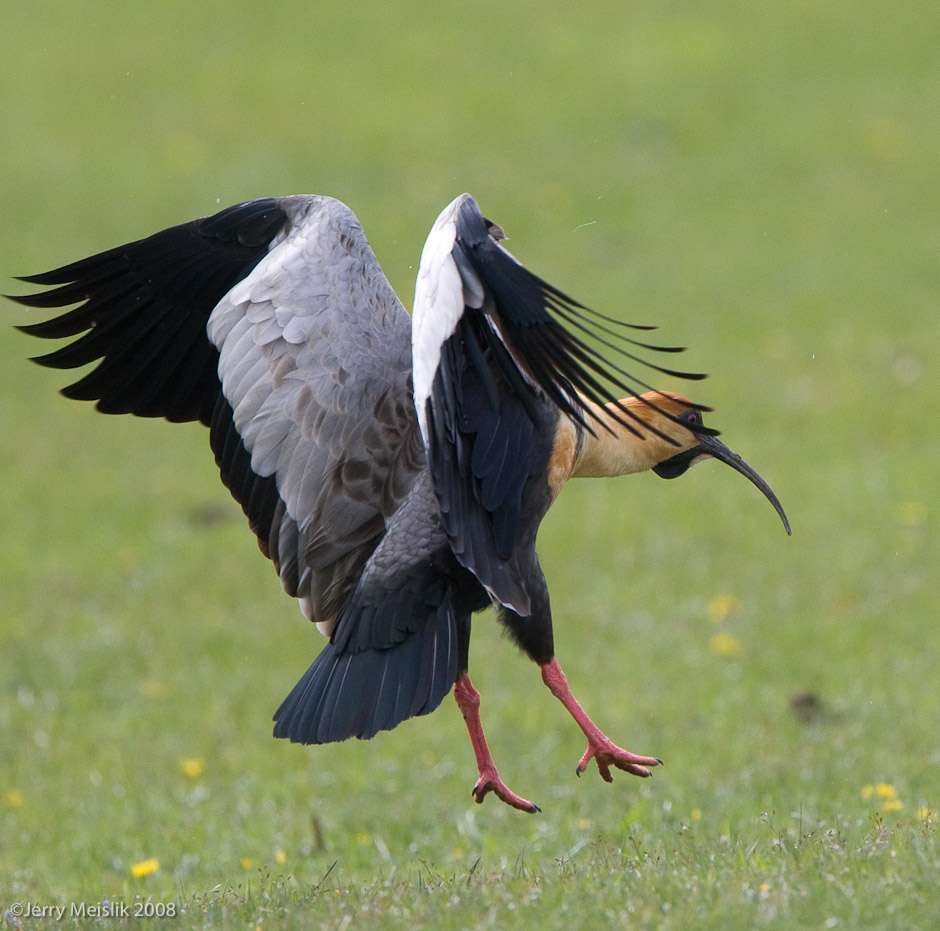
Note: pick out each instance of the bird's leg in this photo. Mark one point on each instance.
(604, 751)
(468, 701)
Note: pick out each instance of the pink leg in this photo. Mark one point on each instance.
(468, 700)
(604, 751)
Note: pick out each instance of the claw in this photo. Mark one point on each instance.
(489, 781)
(606, 753)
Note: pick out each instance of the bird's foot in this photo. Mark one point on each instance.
(606, 753)
(468, 700)
(600, 748)
(489, 781)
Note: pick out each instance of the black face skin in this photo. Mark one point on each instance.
(678, 465)
(709, 446)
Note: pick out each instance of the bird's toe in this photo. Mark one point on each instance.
(606, 754)
(492, 783)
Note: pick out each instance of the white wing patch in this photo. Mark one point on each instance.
(439, 304)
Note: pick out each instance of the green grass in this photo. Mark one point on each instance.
(758, 179)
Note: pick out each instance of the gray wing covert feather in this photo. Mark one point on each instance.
(315, 361)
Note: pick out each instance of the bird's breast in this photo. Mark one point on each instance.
(565, 448)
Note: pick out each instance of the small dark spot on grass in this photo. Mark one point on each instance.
(807, 707)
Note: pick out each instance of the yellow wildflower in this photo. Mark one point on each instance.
(725, 645)
(13, 798)
(722, 606)
(247, 863)
(696, 814)
(886, 792)
(145, 867)
(192, 768)
(280, 858)
(924, 813)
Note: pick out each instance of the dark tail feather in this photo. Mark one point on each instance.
(359, 694)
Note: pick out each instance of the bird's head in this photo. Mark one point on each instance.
(664, 432)
(684, 426)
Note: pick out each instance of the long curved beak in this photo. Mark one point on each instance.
(711, 446)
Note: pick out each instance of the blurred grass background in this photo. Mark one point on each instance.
(761, 181)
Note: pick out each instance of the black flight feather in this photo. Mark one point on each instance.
(524, 308)
(145, 312)
(144, 316)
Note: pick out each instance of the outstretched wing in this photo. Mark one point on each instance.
(272, 323)
(497, 359)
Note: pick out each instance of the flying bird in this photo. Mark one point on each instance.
(395, 469)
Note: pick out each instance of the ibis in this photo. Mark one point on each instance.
(395, 469)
